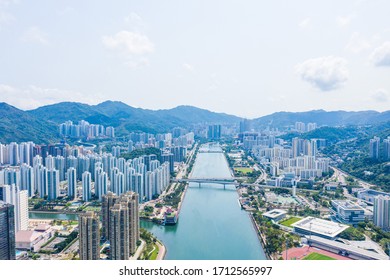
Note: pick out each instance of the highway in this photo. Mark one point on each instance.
(340, 176)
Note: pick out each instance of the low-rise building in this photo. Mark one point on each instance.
(348, 212)
(368, 195)
(275, 214)
(332, 186)
(319, 227)
(33, 240)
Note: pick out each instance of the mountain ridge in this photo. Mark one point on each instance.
(41, 124)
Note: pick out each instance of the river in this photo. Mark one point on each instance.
(211, 224)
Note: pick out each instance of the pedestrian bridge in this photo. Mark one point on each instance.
(210, 151)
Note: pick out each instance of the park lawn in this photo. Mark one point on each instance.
(154, 254)
(290, 221)
(244, 170)
(317, 256)
(93, 208)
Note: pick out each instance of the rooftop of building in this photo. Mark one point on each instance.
(27, 236)
(320, 226)
(42, 227)
(347, 205)
(272, 214)
(373, 192)
(353, 249)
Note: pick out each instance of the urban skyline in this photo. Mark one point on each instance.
(112, 182)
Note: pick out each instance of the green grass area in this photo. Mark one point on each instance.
(290, 221)
(244, 170)
(153, 255)
(93, 208)
(317, 256)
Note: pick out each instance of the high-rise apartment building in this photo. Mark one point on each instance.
(19, 199)
(86, 184)
(53, 184)
(119, 232)
(89, 236)
(244, 125)
(108, 200)
(27, 179)
(131, 199)
(382, 212)
(7, 231)
(101, 182)
(121, 224)
(72, 182)
(374, 147)
(386, 148)
(214, 132)
(311, 126)
(300, 126)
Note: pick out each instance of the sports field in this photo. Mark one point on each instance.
(290, 221)
(244, 170)
(317, 256)
(311, 253)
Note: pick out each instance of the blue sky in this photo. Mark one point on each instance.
(248, 58)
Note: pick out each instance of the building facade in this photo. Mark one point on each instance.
(7, 231)
(89, 231)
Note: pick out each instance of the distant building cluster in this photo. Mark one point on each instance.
(85, 129)
(179, 138)
(300, 159)
(375, 151)
(302, 127)
(40, 169)
(214, 132)
(97, 173)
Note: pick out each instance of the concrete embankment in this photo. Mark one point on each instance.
(162, 250)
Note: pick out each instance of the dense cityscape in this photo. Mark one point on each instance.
(183, 139)
(84, 197)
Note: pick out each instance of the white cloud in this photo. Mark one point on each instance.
(357, 44)
(344, 21)
(188, 67)
(305, 23)
(325, 73)
(6, 18)
(381, 55)
(134, 21)
(35, 35)
(130, 43)
(381, 95)
(32, 96)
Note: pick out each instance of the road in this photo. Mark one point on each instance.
(263, 175)
(139, 250)
(341, 175)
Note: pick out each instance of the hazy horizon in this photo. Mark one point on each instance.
(250, 118)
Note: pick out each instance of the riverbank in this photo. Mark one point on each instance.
(162, 251)
(182, 197)
(54, 212)
(260, 236)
